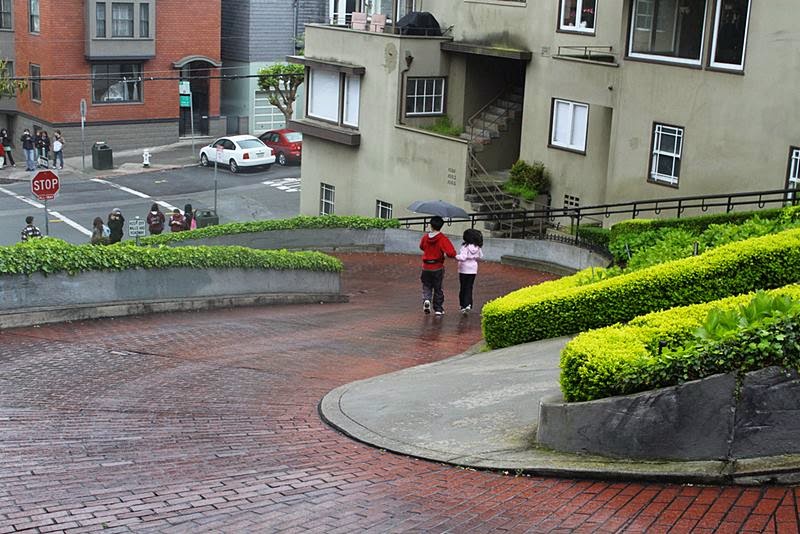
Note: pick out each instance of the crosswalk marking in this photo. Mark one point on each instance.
(290, 185)
(65, 220)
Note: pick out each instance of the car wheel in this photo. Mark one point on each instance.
(282, 159)
(203, 160)
(233, 166)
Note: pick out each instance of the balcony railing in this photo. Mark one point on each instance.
(603, 54)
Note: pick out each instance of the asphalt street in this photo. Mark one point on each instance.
(249, 195)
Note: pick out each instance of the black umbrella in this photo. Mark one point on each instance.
(441, 208)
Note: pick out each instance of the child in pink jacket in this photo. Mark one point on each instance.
(468, 258)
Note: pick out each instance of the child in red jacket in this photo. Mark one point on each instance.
(435, 246)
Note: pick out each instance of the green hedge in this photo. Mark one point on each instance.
(295, 223)
(759, 263)
(50, 255)
(628, 231)
(646, 353)
(596, 235)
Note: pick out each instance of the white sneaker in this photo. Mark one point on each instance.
(426, 306)
(439, 313)
(464, 311)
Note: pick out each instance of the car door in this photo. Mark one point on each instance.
(229, 151)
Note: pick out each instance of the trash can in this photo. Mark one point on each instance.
(206, 217)
(102, 156)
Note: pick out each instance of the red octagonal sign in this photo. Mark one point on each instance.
(45, 185)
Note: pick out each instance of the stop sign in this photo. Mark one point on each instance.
(45, 185)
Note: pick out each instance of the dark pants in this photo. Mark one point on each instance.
(432, 287)
(465, 293)
(9, 157)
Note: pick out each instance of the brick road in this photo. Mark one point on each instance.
(197, 422)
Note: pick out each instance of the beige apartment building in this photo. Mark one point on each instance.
(621, 99)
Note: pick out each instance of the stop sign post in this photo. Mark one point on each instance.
(45, 186)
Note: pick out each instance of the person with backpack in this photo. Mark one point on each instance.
(100, 232)
(188, 217)
(155, 220)
(435, 246)
(30, 231)
(116, 223)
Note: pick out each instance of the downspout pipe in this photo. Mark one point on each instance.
(401, 101)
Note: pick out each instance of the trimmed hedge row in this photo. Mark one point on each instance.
(626, 231)
(760, 263)
(295, 223)
(596, 235)
(49, 255)
(639, 356)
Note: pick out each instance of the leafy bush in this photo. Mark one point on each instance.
(527, 180)
(445, 126)
(295, 223)
(670, 347)
(671, 244)
(51, 255)
(595, 235)
(760, 263)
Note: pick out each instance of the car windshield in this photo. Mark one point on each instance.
(251, 143)
(294, 137)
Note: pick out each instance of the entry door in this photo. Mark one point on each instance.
(341, 11)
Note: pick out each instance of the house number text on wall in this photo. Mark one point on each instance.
(451, 176)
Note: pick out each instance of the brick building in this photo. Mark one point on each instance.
(123, 58)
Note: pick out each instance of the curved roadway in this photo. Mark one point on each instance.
(196, 422)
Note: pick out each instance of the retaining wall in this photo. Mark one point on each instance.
(700, 420)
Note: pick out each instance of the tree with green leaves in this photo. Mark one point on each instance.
(280, 82)
(9, 87)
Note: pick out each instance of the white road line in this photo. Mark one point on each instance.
(167, 205)
(65, 220)
(121, 188)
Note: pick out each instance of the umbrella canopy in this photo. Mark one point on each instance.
(441, 208)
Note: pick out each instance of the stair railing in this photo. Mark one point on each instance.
(471, 120)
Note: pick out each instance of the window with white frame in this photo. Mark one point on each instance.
(116, 83)
(334, 96)
(425, 96)
(793, 175)
(6, 21)
(667, 30)
(578, 15)
(665, 161)
(121, 19)
(383, 210)
(730, 34)
(33, 16)
(570, 120)
(327, 194)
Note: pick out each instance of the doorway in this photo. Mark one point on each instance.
(197, 72)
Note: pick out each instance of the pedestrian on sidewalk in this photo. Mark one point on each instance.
(29, 147)
(30, 231)
(188, 216)
(435, 246)
(43, 147)
(2, 156)
(5, 140)
(468, 257)
(155, 220)
(100, 232)
(58, 150)
(177, 223)
(116, 222)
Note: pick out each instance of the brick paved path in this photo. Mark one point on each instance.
(208, 422)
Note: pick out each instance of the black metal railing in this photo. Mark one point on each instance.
(604, 54)
(563, 224)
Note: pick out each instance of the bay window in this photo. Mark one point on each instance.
(334, 96)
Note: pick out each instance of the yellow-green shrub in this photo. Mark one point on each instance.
(759, 263)
(623, 359)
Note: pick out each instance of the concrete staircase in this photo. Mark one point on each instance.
(493, 119)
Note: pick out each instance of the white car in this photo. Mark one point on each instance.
(237, 151)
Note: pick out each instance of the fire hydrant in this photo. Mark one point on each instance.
(146, 158)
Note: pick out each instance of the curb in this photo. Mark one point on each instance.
(37, 316)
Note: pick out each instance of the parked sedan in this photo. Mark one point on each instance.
(237, 151)
(287, 145)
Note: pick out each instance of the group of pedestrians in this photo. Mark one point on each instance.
(435, 248)
(178, 222)
(37, 148)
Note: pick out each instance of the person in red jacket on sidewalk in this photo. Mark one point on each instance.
(434, 246)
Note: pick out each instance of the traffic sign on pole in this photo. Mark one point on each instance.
(45, 185)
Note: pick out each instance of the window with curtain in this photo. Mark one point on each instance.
(352, 97)
(116, 83)
(144, 20)
(121, 19)
(577, 15)
(33, 12)
(100, 19)
(323, 98)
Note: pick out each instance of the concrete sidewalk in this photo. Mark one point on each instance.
(481, 410)
(175, 155)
